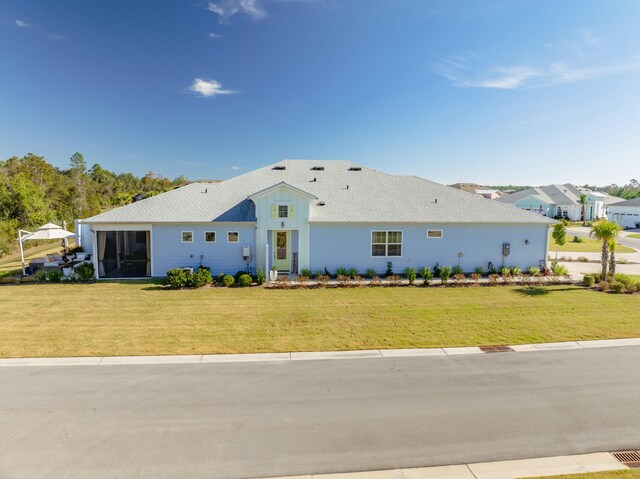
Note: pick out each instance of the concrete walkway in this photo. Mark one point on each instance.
(306, 356)
(540, 467)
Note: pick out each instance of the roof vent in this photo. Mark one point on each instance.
(355, 168)
(279, 167)
(317, 168)
(321, 203)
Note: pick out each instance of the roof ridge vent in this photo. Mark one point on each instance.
(279, 167)
(355, 168)
(317, 168)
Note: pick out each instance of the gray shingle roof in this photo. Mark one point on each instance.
(633, 202)
(563, 195)
(349, 197)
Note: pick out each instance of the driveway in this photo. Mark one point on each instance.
(267, 419)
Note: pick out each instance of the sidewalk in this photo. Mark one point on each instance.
(310, 355)
(546, 466)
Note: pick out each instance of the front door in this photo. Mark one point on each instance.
(282, 250)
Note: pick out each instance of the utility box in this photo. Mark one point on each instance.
(506, 249)
(246, 252)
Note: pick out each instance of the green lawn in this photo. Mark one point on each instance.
(634, 235)
(587, 245)
(622, 474)
(111, 318)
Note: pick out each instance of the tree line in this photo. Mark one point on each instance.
(34, 192)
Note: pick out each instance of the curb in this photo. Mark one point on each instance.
(306, 356)
(545, 466)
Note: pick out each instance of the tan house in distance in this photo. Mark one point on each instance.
(475, 188)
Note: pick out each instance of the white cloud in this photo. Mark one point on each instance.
(575, 61)
(213, 35)
(226, 9)
(235, 168)
(22, 24)
(55, 37)
(207, 88)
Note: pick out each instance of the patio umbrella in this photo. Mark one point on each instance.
(45, 232)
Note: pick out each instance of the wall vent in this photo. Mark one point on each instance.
(321, 203)
(355, 168)
(279, 167)
(317, 168)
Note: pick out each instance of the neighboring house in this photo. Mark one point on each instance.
(562, 201)
(626, 213)
(488, 193)
(316, 215)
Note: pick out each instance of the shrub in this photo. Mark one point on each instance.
(411, 275)
(456, 270)
(515, 271)
(85, 271)
(318, 273)
(588, 280)
(618, 287)
(10, 279)
(220, 278)
(236, 276)
(445, 272)
(54, 276)
(375, 281)
(622, 261)
(534, 270)
(302, 278)
(228, 280)
(427, 275)
(559, 269)
(582, 259)
(458, 278)
(244, 280)
(343, 279)
(357, 280)
(200, 278)
(41, 276)
(624, 279)
(322, 279)
(394, 280)
(352, 273)
(389, 271)
(493, 278)
(260, 278)
(176, 278)
(305, 272)
(371, 273)
(436, 270)
(604, 286)
(341, 272)
(505, 272)
(479, 270)
(491, 268)
(476, 277)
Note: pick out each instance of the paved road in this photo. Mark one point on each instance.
(263, 419)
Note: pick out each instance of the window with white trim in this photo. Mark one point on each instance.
(283, 211)
(434, 233)
(209, 236)
(233, 237)
(187, 236)
(386, 243)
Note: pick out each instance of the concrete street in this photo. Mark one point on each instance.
(241, 420)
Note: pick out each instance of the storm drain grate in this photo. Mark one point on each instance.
(495, 349)
(628, 458)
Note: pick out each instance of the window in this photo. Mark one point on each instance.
(434, 233)
(233, 237)
(386, 243)
(187, 236)
(209, 236)
(283, 211)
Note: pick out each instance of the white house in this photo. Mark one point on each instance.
(312, 214)
(626, 213)
(562, 201)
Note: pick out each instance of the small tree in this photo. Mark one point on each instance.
(559, 235)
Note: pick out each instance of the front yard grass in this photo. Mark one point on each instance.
(587, 245)
(634, 235)
(112, 318)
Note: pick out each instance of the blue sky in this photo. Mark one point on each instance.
(521, 92)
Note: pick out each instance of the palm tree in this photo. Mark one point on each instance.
(583, 202)
(612, 258)
(605, 231)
